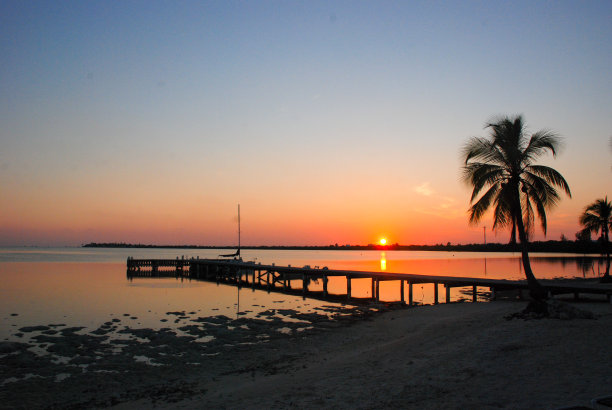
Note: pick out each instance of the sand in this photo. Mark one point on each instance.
(456, 356)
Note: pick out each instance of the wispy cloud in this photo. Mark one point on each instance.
(446, 202)
(423, 189)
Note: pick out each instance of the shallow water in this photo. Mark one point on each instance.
(88, 286)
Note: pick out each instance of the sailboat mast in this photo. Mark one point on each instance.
(238, 228)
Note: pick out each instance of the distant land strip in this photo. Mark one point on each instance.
(584, 247)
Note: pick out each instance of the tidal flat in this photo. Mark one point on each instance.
(59, 366)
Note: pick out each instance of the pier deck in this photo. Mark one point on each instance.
(272, 277)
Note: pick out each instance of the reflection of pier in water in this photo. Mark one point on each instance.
(279, 278)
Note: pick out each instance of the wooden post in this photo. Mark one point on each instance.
(374, 296)
(448, 289)
(304, 284)
(325, 286)
(435, 293)
(409, 293)
(474, 293)
(377, 290)
(348, 287)
(402, 292)
(493, 294)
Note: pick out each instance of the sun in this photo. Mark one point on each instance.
(383, 241)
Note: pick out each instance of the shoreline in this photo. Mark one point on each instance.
(457, 355)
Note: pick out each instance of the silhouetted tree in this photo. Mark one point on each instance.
(597, 217)
(502, 164)
(583, 235)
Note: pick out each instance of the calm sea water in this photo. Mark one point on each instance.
(88, 286)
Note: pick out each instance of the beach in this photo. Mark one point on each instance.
(460, 355)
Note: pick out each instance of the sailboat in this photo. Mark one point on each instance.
(235, 255)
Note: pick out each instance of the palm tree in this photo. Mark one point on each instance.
(597, 217)
(503, 166)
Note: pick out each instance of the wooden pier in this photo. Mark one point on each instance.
(278, 278)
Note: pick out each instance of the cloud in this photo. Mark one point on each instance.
(424, 189)
(446, 202)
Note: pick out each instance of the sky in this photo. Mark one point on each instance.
(327, 121)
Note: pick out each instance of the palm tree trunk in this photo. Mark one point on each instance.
(606, 243)
(536, 290)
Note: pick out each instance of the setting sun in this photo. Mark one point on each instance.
(383, 241)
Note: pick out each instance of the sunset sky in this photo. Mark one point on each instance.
(327, 121)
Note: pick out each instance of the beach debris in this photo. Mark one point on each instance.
(551, 309)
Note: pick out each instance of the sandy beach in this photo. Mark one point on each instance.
(462, 355)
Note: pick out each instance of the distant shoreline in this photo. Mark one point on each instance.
(540, 246)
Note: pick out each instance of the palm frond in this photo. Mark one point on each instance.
(597, 216)
(541, 209)
(540, 142)
(591, 222)
(550, 175)
(481, 175)
(477, 210)
(502, 216)
(540, 190)
(528, 215)
(481, 149)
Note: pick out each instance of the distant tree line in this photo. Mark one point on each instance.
(562, 246)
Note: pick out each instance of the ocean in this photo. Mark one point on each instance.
(89, 286)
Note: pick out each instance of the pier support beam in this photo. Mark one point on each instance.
(374, 295)
(403, 299)
(474, 293)
(410, 293)
(448, 289)
(377, 290)
(435, 293)
(325, 286)
(348, 287)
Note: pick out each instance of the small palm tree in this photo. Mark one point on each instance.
(597, 217)
(503, 166)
